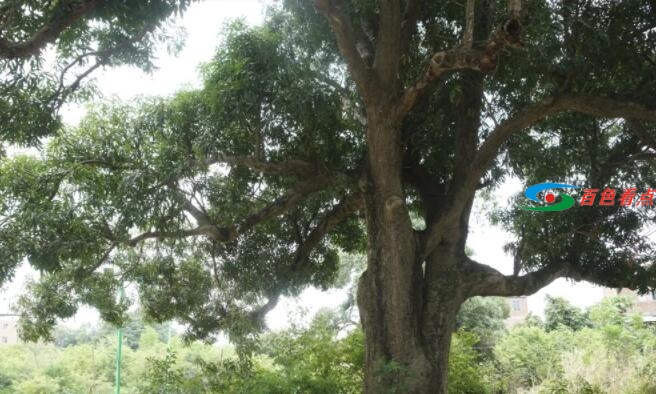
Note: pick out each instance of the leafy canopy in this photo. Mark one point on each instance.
(48, 49)
(216, 202)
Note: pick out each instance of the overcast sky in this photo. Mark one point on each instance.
(204, 22)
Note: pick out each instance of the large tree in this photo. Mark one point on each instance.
(340, 124)
(49, 48)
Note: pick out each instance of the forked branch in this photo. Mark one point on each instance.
(207, 227)
(530, 115)
(597, 106)
(334, 217)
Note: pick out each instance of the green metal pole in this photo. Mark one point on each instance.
(168, 339)
(119, 351)
(168, 353)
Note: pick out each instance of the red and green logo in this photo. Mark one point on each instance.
(566, 201)
(608, 197)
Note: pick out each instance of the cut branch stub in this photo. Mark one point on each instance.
(485, 58)
(508, 34)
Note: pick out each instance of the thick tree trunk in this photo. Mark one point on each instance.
(407, 324)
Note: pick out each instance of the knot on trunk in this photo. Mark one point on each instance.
(393, 203)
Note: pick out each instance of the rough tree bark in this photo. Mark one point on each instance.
(416, 280)
(408, 301)
(389, 293)
(410, 293)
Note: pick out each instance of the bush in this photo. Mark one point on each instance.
(466, 374)
(527, 356)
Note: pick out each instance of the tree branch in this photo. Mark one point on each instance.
(341, 25)
(208, 230)
(586, 104)
(82, 271)
(484, 280)
(388, 42)
(224, 234)
(608, 107)
(47, 33)
(297, 167)
(529, 116)
(257, 315)
(284, 203)
(468, 36)
(102, 56)
(409, 24)
(341, 211)
(287, 167)
(639, 130)
(485, 59)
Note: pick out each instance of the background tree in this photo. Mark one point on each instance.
(133, 328)
(532, 320)
(483, 316)
(559, 311)
(48, 49)
(527, 357)
(339, 119)
(614, 354)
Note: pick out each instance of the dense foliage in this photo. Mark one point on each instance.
(616, 354)
(559, 312)
(483, 317)
(89, 367)
(49, 48)
(335, 120)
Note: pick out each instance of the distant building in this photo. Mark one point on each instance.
(8, 320)
(8, 329)
(518, 310)
(644, 304)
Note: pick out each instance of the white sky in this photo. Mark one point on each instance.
(203, 23)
